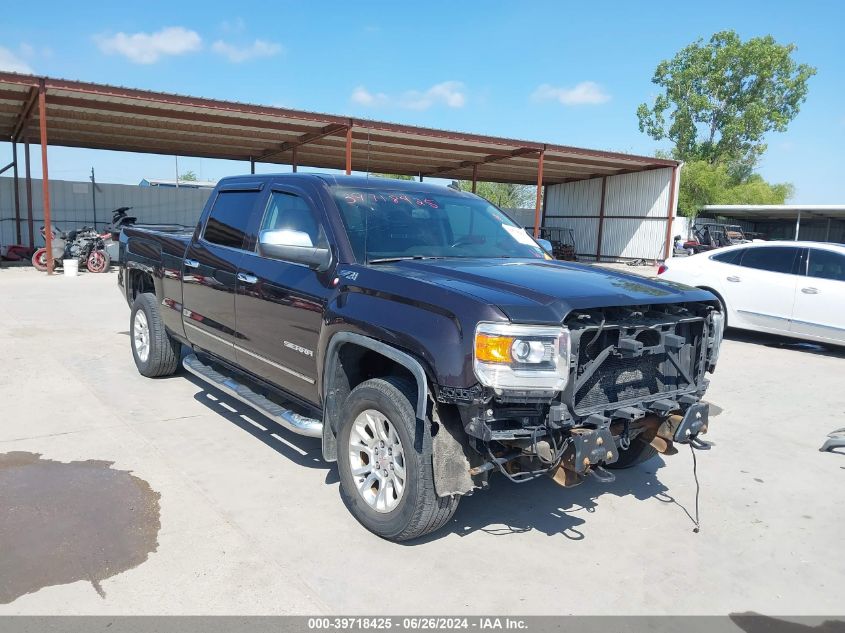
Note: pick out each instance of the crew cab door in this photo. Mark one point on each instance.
(210, 270)
(761, 289)
(820, 297)
(280, 304)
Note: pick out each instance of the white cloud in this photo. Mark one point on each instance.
(449, 93)
(148, 48)
(12, 63)
(362, 96)
(237, 54)
(238, 25)
(584, 93)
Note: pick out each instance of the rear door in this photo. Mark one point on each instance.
(820, 297)
(280, 304)
(761, 289)
(210, 270)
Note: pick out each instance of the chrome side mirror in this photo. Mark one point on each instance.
(295, 247)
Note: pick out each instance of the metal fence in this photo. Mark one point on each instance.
(72, 205)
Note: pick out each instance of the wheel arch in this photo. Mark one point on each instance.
(721, 301)
(354, 358)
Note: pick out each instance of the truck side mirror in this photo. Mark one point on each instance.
(295, 247)
(546, 244)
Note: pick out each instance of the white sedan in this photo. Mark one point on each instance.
(790, 288)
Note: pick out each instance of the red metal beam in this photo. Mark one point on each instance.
(601, 217)
(492, 158)
(539, 194)
(669, 214)
(24, 113)
(28, 193)
(306, 138)
(17, 194)
(45, 179)
(349, 150)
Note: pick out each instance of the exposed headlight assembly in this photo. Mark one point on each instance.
(717, 325)
(521, 357)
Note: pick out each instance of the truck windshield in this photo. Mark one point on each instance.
(385, 225)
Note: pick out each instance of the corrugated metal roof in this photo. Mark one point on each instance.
(99, 116)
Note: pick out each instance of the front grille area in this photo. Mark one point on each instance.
(634, 356)
(624, 379)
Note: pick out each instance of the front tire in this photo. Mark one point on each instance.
(155, 352)
(637, 453)
(98, 261)
(386, 479)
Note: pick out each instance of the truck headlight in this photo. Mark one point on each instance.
(717, 323)
(521, 357)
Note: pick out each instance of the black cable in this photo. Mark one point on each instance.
(697, 488)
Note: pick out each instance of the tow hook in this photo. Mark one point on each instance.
(587, 450)
(685, 430)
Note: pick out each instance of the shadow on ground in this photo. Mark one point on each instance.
(783, 342)
(505, 508)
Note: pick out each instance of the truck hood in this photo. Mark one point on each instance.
(541, 291)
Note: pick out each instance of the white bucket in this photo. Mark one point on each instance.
(71, 267)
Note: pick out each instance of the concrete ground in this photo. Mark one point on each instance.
(251, 521)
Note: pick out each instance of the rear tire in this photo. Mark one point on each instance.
(155, 352)
(637, 453)
(416, 510)
(39, 260)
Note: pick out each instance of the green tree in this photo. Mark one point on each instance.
(719, 99)
(504, 195)
(189, 176)
(703, 183)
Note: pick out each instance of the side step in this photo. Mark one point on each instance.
(287, 418)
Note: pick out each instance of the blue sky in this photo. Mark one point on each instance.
(562, 72)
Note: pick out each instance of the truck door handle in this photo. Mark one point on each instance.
(192, 263)
(809, 290)
(247, 279)
(733, 278)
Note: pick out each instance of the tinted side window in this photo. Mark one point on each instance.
(227, 223)
(776, 259)
(289, 212)
(826, 265)
(729, 257)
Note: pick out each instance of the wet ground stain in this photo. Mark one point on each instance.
(65, 522)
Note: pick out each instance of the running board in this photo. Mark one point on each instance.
(287, 418)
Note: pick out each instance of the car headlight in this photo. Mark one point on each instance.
(521, 357)
(717, 321)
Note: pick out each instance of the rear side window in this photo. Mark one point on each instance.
(729, 257)
(227, 223)
(776, 259)
(826, 265)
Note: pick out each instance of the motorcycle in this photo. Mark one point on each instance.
(85, 245)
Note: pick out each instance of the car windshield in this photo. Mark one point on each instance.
(388, 224)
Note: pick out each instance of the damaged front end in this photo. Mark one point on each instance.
(595, 392)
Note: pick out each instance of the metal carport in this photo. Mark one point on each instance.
(97, 116)
(827, 220)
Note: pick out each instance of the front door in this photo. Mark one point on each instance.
(210, 271)
(820, 297)
(762, 287)
(280, 304)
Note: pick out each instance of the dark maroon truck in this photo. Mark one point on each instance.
(422, 335)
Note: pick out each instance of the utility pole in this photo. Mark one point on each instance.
(177, 171)
(94, 197)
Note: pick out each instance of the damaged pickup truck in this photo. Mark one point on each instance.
(422, 336)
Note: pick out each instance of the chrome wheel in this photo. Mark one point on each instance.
(141, 336)
(377, 461)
